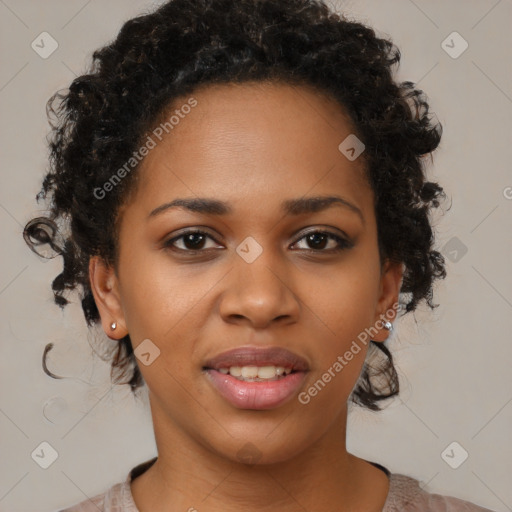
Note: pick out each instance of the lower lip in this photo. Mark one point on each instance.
(256, 395)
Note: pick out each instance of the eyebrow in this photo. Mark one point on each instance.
(299, 206)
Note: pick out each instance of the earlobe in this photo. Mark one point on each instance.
(105, 289)
(387, 308)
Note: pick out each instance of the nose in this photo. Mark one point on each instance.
(259, 293)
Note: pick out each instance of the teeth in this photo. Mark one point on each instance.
(266, 372)
(256, 373)
(249, 372)
(236, 371)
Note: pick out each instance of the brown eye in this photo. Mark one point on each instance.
(191, 240)
(318, 240)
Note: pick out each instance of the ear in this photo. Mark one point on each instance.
(387, 306)
(105, 289)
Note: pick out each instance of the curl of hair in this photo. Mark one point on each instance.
(99, 122)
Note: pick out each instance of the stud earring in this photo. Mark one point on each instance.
(113, 326)
(388, 326)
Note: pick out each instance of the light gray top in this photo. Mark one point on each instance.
(405, 495)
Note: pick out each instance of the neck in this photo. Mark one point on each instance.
(188, 476)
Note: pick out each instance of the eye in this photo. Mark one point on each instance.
(319, 238)
(193, 240)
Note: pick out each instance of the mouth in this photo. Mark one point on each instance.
(256, 378)
(256, 373)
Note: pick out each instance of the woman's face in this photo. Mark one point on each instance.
(255, 280)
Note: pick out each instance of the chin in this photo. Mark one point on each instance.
(268, 443)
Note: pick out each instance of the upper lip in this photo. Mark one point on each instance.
(254, 356)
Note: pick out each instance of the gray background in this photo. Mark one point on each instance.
(454, 362)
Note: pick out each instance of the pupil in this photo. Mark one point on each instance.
(313, 236)
(189, 240)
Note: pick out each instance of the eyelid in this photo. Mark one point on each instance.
(343, 240)
(324, 229)
(168, 242)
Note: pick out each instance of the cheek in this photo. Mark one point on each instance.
(159, 300)
(342, 307)
(166, 305)
(343, 313)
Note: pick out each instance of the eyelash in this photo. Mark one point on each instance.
(343, 244)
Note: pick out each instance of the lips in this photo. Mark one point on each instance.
(251, 356)
(260, 394)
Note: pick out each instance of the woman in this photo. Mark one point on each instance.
(248, 212)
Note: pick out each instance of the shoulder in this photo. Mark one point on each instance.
(116, 499)
(112, 500)
(406, 495)
(95, 503)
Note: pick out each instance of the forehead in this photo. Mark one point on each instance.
(256, 141)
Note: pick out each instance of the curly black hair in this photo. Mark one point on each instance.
(101, 119)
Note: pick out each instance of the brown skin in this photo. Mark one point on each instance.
(252, 145)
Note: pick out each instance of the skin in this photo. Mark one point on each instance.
(252, 145)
